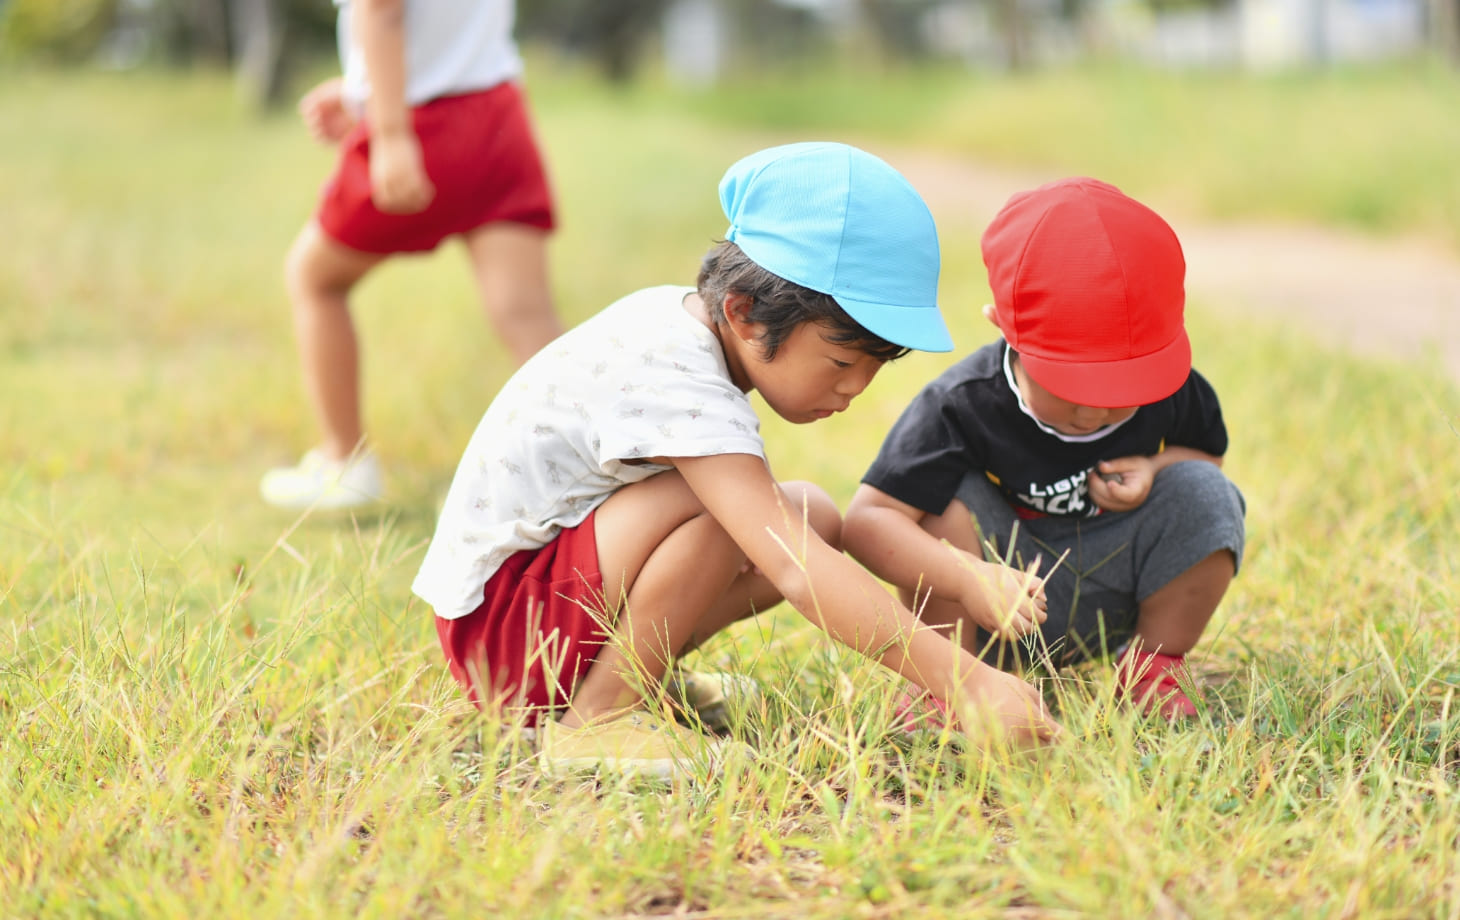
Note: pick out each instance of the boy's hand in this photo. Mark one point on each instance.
(324, 113)
(1122, 484)
(1003, 600)
(1000, 705)
(398, 180)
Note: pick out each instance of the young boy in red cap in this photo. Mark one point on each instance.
(1081, 446)
(616, 506)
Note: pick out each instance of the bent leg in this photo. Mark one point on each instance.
(1187, 553)
(319, 274)
(1174, 618)
(672, 577)
(509, 262)
(751, 592)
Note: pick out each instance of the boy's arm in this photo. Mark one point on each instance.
(849, 604)
(324, 113)
(1198, 433)
(887, 536)
(1135, 476)
(398, 181)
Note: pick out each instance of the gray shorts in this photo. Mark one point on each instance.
(1115, 560)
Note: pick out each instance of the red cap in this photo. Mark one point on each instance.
(1088, 289)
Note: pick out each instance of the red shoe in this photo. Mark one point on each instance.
(919, 711)
(1153, 682)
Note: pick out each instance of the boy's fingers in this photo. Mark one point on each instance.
(1016, 626)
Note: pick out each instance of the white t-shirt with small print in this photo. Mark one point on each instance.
(643, 378)
(451, 47)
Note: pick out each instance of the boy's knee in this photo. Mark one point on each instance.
(1199, 508)
(1201, 488)
(314, 267)
(298, 262)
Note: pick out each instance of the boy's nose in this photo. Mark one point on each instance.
(854, 381)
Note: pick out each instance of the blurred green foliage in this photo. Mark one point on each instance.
(65, 31)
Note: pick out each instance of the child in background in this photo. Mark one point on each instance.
(1082, 442)
(444, 148)
(615, 507)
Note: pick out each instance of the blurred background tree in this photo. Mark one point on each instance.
(266, 42)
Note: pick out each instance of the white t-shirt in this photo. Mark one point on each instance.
(643, 378)
(451, 47)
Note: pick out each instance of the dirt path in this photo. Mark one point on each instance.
(1393, 298)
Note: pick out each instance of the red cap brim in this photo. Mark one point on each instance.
(1115, 384)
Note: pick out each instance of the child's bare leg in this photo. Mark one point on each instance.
(319, 274)
(1172, 620)
(670, 567)
(751, 592)
(509, 262)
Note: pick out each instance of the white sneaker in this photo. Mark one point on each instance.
(319, 483)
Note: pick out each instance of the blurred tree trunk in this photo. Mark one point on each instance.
(190, 30)
(1010, 20)
(207, 23)
(259, 41)
(613, 31)
(1444, 28)
(894, 28)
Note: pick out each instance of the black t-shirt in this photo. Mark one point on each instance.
(969, 419)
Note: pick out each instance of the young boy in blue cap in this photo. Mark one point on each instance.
(616, 507)
(1082, 444)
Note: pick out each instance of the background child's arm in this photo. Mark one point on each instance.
(1136, 476)
(844, 600)
(398, 181)
(324, 113)
(887, 536)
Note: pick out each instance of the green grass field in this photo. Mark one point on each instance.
(211, 709)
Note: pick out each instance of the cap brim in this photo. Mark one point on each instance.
(1115, 384)
(918, 328)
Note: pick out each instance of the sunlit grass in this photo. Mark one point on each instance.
(212, 709)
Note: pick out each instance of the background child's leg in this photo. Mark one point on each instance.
(319, 274)
(672, 576)
(509, 261)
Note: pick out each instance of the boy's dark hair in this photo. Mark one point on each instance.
(781, 305)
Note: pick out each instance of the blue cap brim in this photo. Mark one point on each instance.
(918, 328)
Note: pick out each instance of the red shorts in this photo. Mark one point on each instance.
(478, 151)
(537, 630)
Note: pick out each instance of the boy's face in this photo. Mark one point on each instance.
(1061, 414)
(810, 377)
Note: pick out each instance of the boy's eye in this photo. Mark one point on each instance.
(839, 363)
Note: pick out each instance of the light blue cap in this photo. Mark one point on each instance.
(839, 220)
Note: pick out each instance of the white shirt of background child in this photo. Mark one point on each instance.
(451, 47)
(643, 378)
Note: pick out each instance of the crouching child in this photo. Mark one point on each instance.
(616, 506)
(1080, 448)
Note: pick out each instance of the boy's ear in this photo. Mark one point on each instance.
(991, 313)
(737, 315)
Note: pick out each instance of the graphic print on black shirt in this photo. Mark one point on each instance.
(969, 420)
